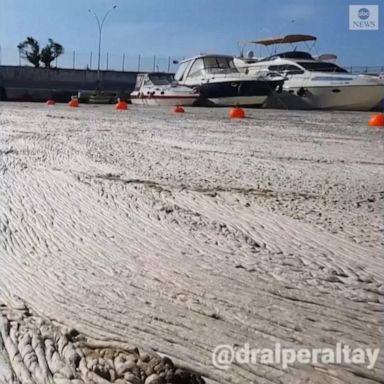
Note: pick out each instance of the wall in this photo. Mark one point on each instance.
(39, 84)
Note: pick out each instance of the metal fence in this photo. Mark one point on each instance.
(108, 61)
(126, 62)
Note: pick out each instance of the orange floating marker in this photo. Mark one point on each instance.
(74, 103)
(236, 113)
(121, 105)
(51, 102)
(376, 120)
(178, 109)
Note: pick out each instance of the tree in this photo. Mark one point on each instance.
(50, 52)
(30, 50)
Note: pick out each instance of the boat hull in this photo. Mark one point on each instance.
(237, 92)
(243, 101)
(356, 98)
(167, 101)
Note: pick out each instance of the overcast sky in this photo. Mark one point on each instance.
(181, 28)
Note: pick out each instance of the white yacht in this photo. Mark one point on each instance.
(313, 83)
(161, 89)
(219, 82)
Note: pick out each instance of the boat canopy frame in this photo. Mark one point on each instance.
(288, 39)
(275, 42)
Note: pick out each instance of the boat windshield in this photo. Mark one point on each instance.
(163, 79)
(291, 55)
(181, 71)
(139, 81)
(219, 65)
(319, 66)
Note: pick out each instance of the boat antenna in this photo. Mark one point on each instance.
(281, 34)
(241, 48)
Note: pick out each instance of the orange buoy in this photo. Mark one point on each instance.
(178, 109)
(51, 102)
(121, 105)
(377, 120)
(74, 103)
(236, 113)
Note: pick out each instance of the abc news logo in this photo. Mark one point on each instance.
(364, 17)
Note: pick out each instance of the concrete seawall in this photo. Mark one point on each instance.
(39, 84)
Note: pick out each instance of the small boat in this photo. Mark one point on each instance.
(220, 83)
(313, 82)
(161, 89)
(96, 97)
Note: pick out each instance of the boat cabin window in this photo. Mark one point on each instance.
(320, 66)
(181, 71)
(219, 64)
(147, 81)
(197, 68)
(289, 69)
(163, 79)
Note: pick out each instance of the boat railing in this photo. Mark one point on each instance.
(369, 70)
(356, 70)
(265, 71)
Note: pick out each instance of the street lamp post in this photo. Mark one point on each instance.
(100, 26)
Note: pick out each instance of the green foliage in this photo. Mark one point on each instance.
(30, 51)
(50, 52)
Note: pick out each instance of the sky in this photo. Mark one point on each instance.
(181, 28)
